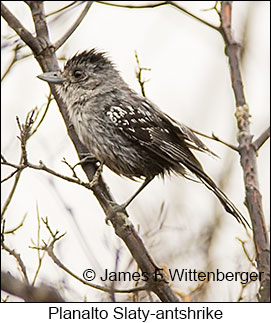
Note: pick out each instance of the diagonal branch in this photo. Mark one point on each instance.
(43, 293)
(177, 6)
(50, 251)
(64, 38)
(159, 4)
(214, 137)
(123, 227)
(262, 139)
(21, 31)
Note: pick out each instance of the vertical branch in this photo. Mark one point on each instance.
(248, 154)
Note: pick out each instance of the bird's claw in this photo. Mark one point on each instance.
(114, 210)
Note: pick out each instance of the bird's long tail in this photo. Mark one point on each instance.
(225, 201)
(195, 167)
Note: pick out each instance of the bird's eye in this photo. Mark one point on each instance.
(77, 73)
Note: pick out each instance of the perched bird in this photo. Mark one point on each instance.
(124, 130)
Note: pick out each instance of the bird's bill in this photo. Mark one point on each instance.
(51, 77)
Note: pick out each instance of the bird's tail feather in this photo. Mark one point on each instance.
(196, 168)
(225, 201)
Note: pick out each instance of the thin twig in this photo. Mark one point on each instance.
(12, 62)
(139, 75)
(49, 100)
(9, 176)
(251, 261)
(12, 231)
(40, 257)
(177, 6)
(16, 255)
(128, 6)
(214, 137)
(63, 39)
(261, 139)
(70, 167)
(50, 250)
(62, 9)
(159, 4)
(16, 25)
(16, 180)
(51, 254)
(41, 166)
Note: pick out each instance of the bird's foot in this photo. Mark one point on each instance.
(116, 209)
(96, 177)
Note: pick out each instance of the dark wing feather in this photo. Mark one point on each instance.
(171, 141)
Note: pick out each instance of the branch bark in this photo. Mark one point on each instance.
(248, 153)
(262, 139)
(29, 293)
(44, 52)
(63, 39)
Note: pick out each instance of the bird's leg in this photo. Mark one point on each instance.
(144, 184)
(122, 207)
(95, 179)
(87, 158)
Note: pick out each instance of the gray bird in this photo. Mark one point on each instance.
(126, 131)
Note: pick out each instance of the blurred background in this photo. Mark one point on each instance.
(182, 224)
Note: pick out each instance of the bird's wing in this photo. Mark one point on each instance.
(147, 126)
(169, 140)
(190, 137)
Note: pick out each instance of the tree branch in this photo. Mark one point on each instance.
(159, 4)
(16, 255)
(21, 31)
(64, 38)
(247, 152)
(123, 227)
(29, 293)
(261, 139)
(215, 138)
(50, 251)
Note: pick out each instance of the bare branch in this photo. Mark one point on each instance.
(24, 34)
(16, 180)
(139, 75)
(64, 38)
(214, 137)
(41, 166)
(10, 176)
(51, 254)
(247, 152)
(50, 251)
(62, 9)
(177, 6)
(49, 100)
(13, 253)
(12, 231)
(261, 139)
(43, 293)
(159, 4)
(151, 5)
(40, 257)
(12, 62)
(25, 133)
